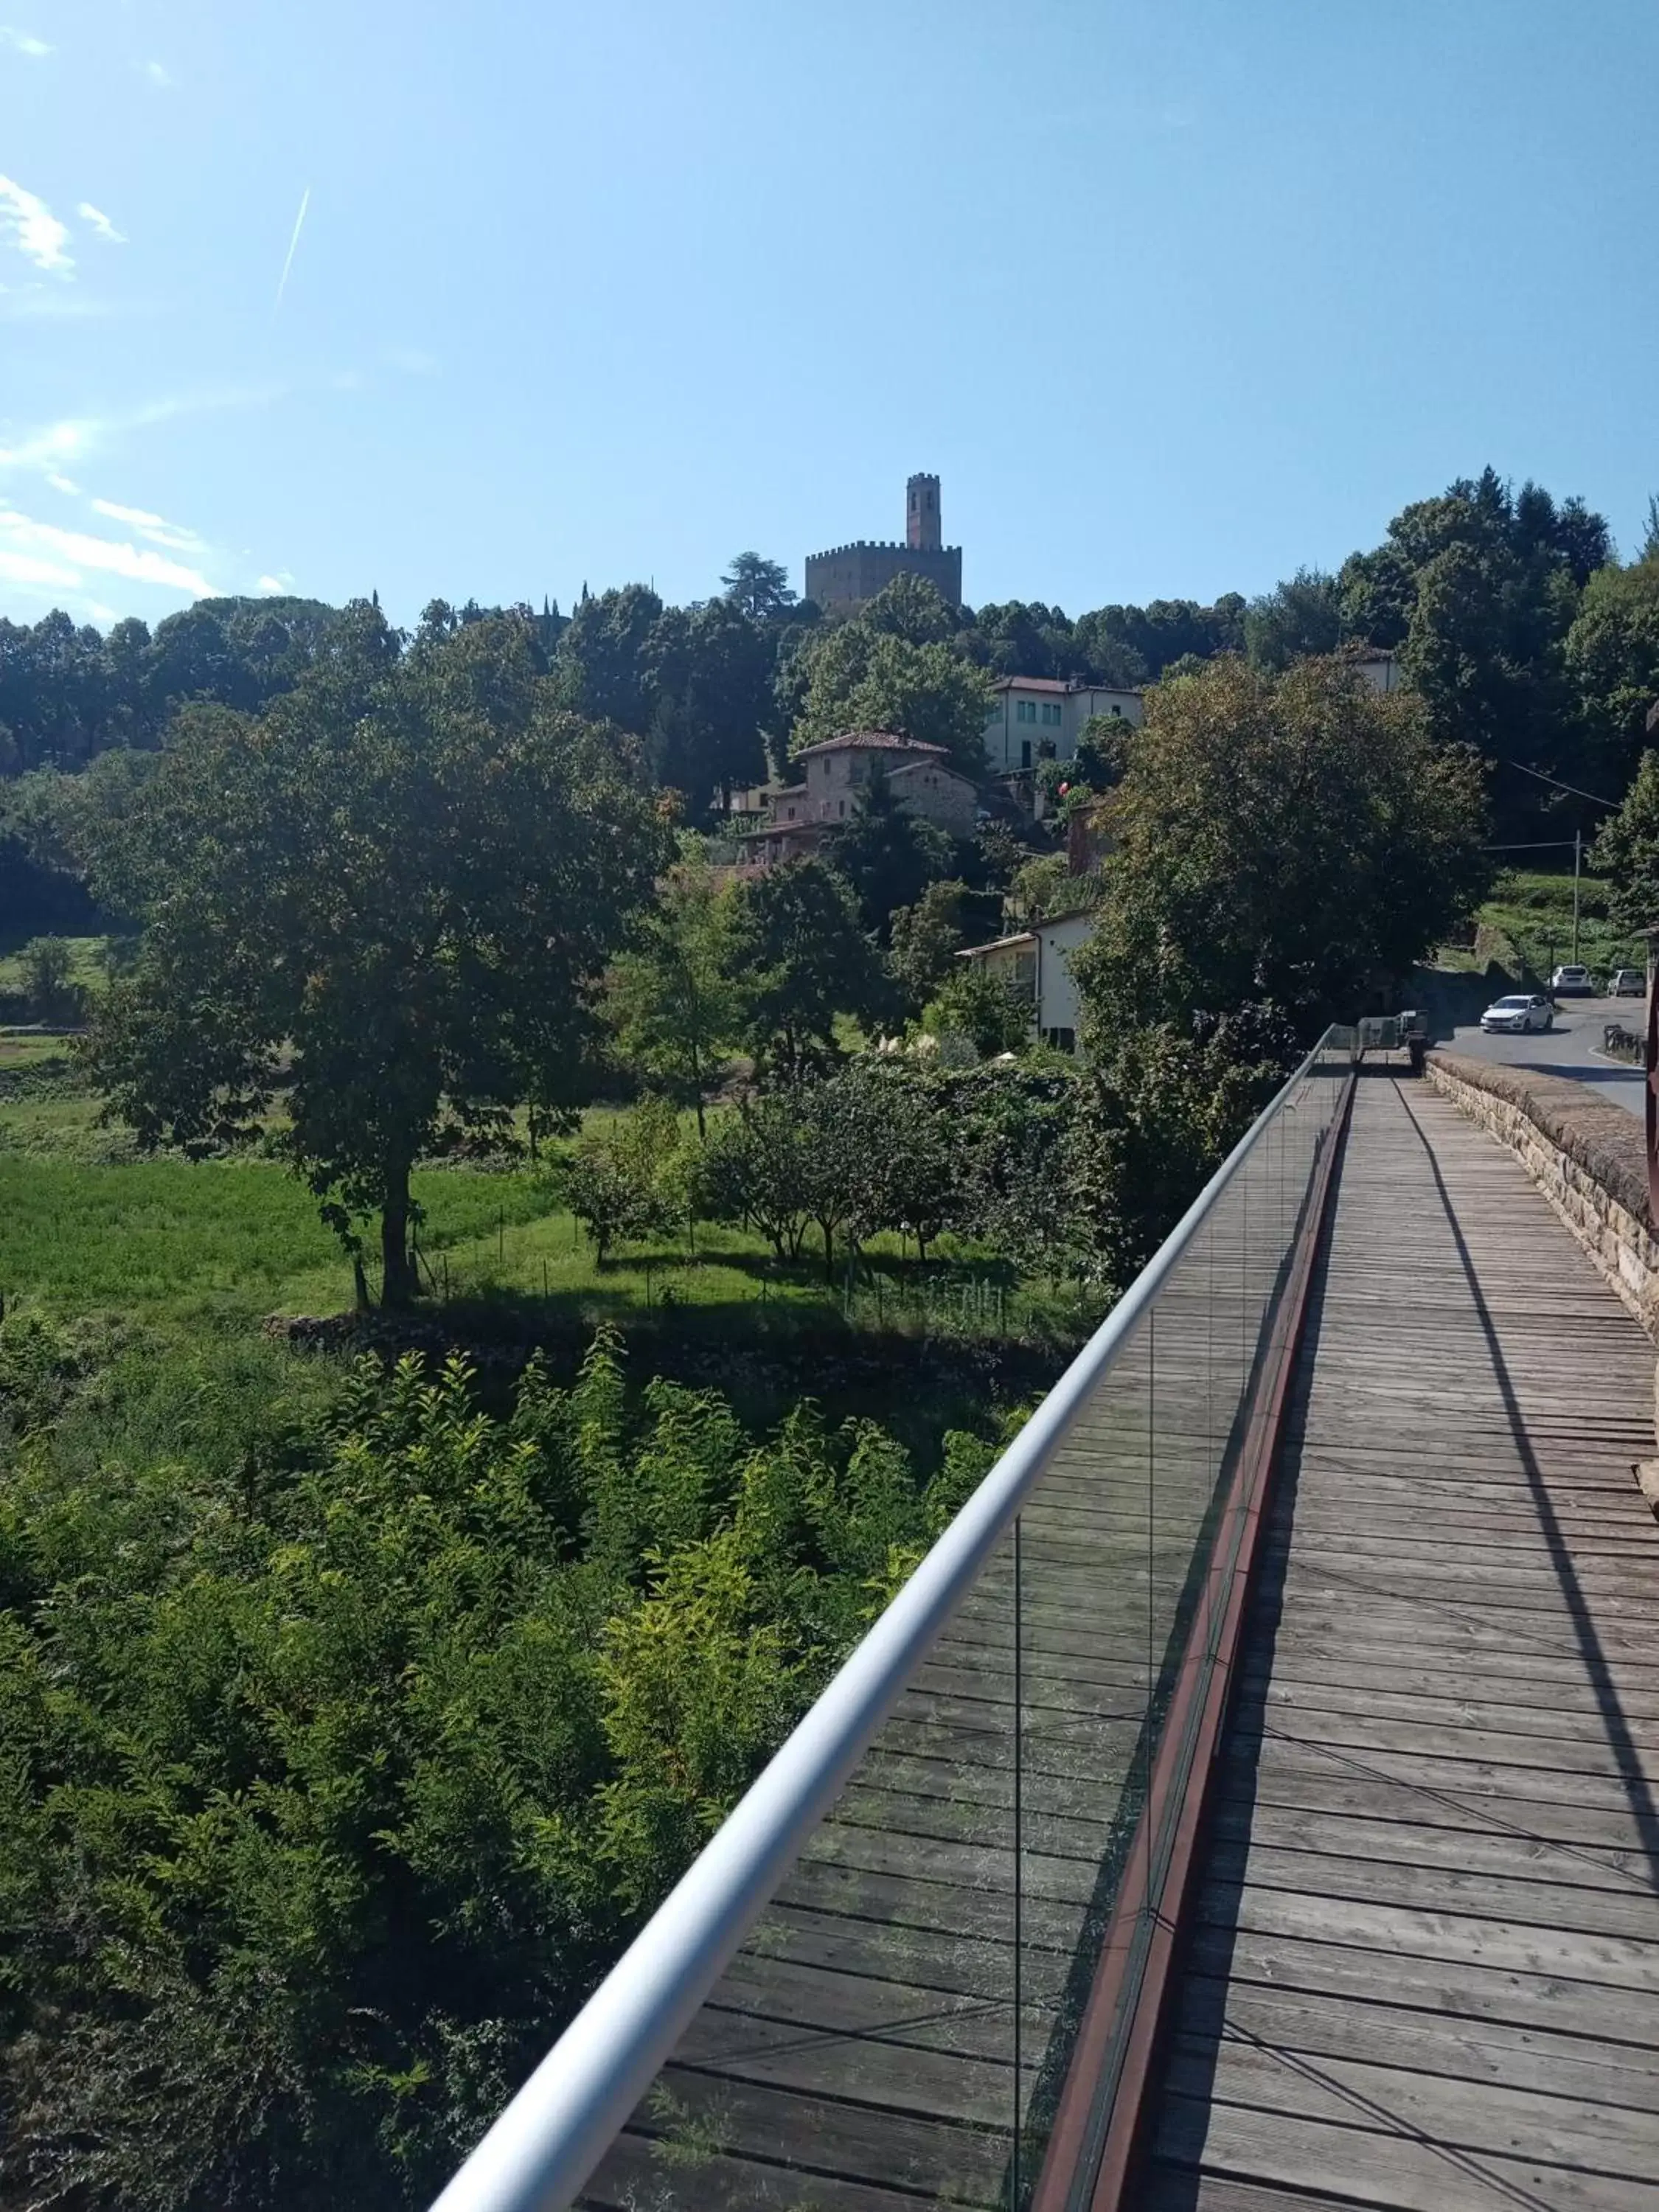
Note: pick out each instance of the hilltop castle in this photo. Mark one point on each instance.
(841, 580)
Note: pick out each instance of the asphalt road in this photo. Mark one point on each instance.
(1572, 1047)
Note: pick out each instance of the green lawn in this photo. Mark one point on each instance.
(87, 969)
(89, 1226)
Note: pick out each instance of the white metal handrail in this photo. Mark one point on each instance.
(547, 2142)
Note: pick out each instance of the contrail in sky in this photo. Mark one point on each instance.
(299, 224)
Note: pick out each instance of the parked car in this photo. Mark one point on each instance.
(1572, 982)
(1627, 983)
(1521, 1011)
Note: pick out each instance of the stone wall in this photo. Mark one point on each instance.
(1587, 1155)
(843, 579)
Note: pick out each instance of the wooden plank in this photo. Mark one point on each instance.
(1527, 2058)
(1465, 2114)
(1380, 2165)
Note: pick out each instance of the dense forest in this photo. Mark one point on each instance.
(369, 1674)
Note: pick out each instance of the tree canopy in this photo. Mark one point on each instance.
(803, 958)
(1626, 850)
(894, 666)
(1284, 839)
(388, 903)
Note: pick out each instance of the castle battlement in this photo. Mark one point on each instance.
(876, 545)
(842, 578)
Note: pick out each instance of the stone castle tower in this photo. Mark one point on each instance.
(922, 523)
(841, 579)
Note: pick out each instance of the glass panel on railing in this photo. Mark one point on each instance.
(898, 2026)
(1089, 1673)
(866, 2044)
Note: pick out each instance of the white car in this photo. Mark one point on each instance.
(1572, 982)
(1521, 1012)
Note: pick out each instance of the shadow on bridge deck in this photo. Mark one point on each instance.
(1424, 1967)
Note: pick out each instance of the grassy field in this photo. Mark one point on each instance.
(88, 1227)
(1525, 929)
(86, 965)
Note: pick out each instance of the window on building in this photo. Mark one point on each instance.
(1025, 710)
(1051, 712)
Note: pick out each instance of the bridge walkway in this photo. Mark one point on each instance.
(1424, 1968)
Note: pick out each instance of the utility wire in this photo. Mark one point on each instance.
(1556, 784)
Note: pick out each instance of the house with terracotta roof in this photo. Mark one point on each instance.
(1041, 718)
(831, 774)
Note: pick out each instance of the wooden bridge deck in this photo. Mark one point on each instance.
(1425, 1968)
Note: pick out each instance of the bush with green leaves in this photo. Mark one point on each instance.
(331, 1779)
(993, 1012)
(629, 1184)
(49, 985)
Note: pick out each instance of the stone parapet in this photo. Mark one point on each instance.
(1587, 1155)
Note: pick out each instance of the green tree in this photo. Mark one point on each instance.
(1300, 616)
(925, 939)
(1612, 662)
(888, 854)
(910, 609)
(390, 901)
(754, 1169)
(602, 661)
(758, 587)
(48, 965)
(1286, 840)
(708, 686)
(895, 667)
(1626, 850)
(674, 997)
(990, 1010)
(1478, 588)
(1155, 1117)
(801, 958)
(632, 1182)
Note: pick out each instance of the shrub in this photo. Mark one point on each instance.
(329, 1787)
(630, 1185)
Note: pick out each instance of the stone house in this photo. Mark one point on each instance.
(799, 814)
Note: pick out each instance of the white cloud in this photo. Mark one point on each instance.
(157, 75)
(35, 230)
(101, 223)
(45, 449)
(26, 539)
(155, 527)
(25, 568)
(23, 42)
(72, 440)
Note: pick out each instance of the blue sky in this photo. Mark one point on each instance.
(1175, 295)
